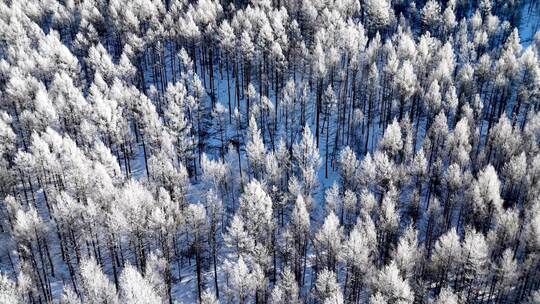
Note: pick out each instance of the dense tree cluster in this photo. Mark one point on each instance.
(269, 151)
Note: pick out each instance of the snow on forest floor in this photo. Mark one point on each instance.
(530, 22)
(185, 290)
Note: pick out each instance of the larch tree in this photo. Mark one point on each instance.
(358, 255)
(299, 229)
(327, 242)
(378, 14)
(255, 149)
(306, 162)
(475, 264)
(327, 289)
(446, 257)
(485, 198)
(286, 289)
(8, 291)
(96, 286)
(197, 230)
(391, 286)
(134, 288)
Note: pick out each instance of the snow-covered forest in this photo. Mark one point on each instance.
(269, 151)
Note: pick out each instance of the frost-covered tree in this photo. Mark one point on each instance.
(407, 252)
(209, 298)
(255, 149)
(8, 291)
(358, 254)
(306, 161)
(327, 289)
(348, 165)
(176, 121)
(31, 232)
(327, 242)
(197, 231)
(447, 296)
(391, 286)
(333, 199)
(241, 280)
(299, 229)
(379, 14)
(486, 201)
(475, 263)
(134, 288)
(392, 141)
(286, 290)
(96, 287)
(446, 256)
(256, 211)
(237, 237)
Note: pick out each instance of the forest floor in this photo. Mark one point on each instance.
(185, 290)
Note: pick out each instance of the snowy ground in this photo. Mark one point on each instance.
(530, 22)
(185, 290)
